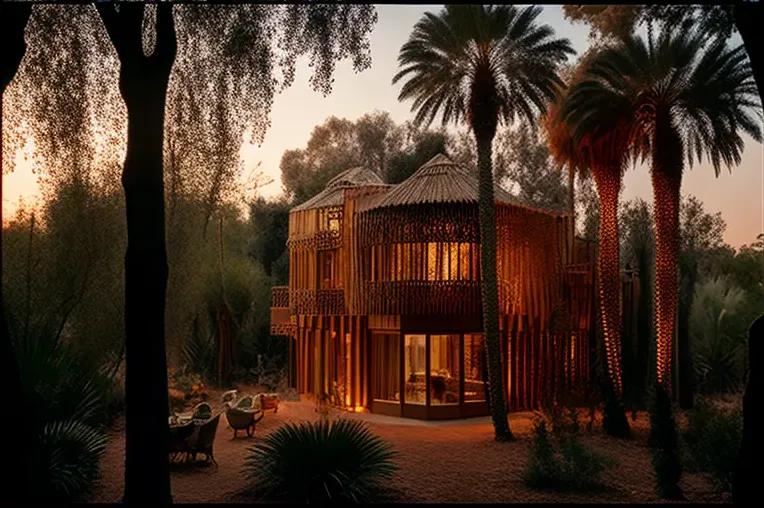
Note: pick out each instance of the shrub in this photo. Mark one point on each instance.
(718, 333)
(320, 462)
(664, 446)
(64, 398)
(558, 460)
(713, 441)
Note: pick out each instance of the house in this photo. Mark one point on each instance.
(384, 308)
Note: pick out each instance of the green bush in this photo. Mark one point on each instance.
(320, 462)
(713, 441)
(718, 329)
(65, 416)
(664, 446)
(558, 461)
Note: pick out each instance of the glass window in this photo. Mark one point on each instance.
(415, 358)
(444, 369)
(386, 357)
(474, 368)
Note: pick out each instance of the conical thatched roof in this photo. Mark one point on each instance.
(440, 180)
(333, 194)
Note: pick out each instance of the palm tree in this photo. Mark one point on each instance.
(684, 95)
(483, 64)
(601, 153)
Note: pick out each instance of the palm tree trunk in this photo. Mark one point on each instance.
(490, 288)
(143, 83)
(572, 209)
(13, 21)
(608, 181)
(667, 181)
(688, 270)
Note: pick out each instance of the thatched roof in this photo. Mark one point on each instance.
(333, 194)
(440, 180)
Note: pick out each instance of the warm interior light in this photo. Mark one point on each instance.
(359, 409)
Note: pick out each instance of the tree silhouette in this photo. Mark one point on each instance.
(13, 21)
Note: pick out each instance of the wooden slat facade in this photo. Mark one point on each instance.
(356, 270)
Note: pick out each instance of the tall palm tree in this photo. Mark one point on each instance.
(685, 96)
(600, 153)
(483, 64)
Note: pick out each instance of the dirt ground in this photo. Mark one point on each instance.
(439, 462)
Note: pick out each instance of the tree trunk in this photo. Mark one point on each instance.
(608, 181)
(688, 277)
(745, 479)
(572, 210)
(667, 181)
(490, 288)
(13, 21)
(644, 337)
(143, 83)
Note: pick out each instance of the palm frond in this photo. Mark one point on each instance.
(445, 53)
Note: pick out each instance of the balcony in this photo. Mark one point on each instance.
(281, 320)
(321, 302)
(460, 297)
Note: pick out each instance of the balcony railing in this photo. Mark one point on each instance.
(321, 302)
(423, 297)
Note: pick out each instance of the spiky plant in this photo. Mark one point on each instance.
(717, 333)
(64, 400)
(483, 65)
(336, 461)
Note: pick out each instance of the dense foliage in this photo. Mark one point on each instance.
(558, 460)
(713, 439)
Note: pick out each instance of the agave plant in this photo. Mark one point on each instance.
(64, 401)
(716, 332)
(320, 462)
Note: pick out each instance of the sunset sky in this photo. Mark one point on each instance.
(739, 196)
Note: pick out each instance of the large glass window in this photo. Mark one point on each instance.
(386, 357)
(474, 368)
(444, 369)
(415, 365)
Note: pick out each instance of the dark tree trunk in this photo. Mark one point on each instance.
(143, 83)
(644, 312)
(748, 20)
(608, 181)
(666, 174)
(13, 21)
(490, 287)
(746, 474)
(688, 276)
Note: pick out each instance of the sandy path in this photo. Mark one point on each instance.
(439, 462)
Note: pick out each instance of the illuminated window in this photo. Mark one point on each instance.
(474, 368)
(464, 261)
(416, 379)
(444, 369)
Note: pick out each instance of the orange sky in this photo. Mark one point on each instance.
(739, 196)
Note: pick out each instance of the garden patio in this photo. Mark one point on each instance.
(439, 462)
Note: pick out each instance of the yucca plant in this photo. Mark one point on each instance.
(717, 334)
(64, 402)
(198, 353)
(319, 462)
